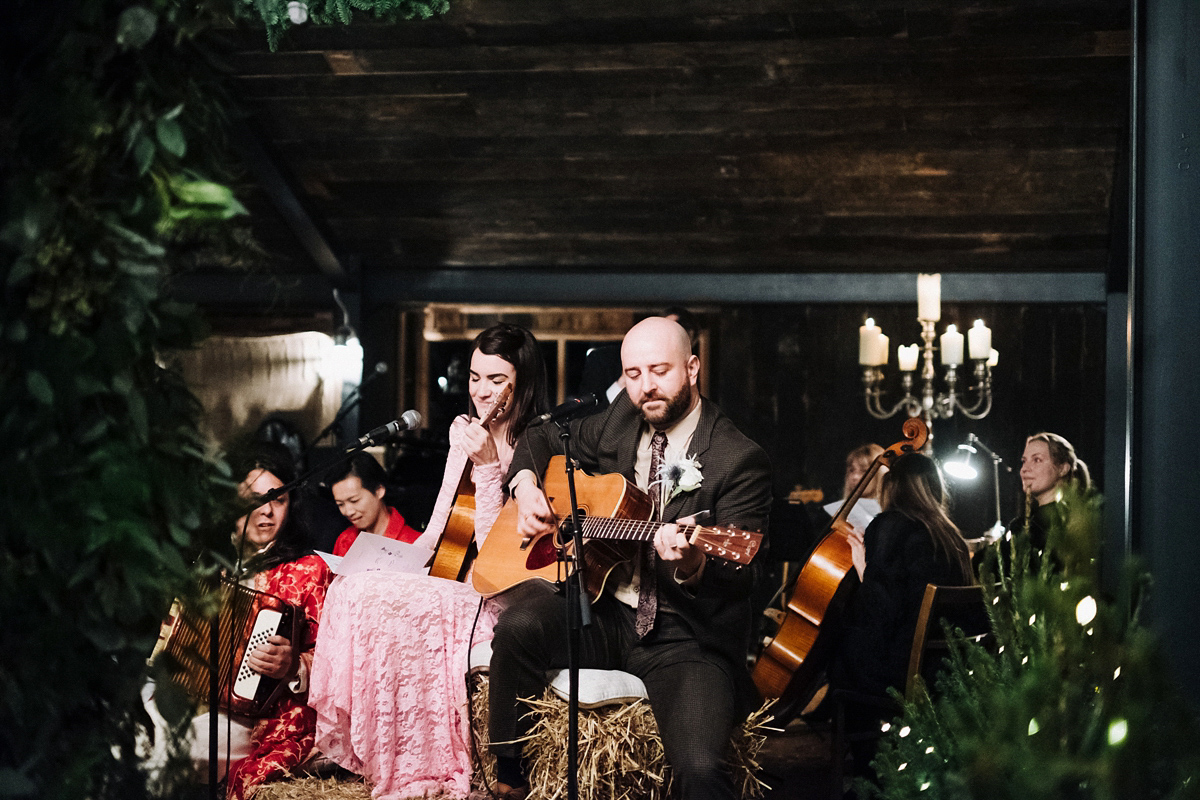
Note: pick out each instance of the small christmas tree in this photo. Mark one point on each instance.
(1069, 700)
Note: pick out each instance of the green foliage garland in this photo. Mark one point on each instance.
(274, 13)
(1071, 701)
(115, 175)
(107, 491)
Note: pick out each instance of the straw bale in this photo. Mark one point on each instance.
(483, 774)
(315, 788)
(344, 786)
(620, 756)
(620, 752)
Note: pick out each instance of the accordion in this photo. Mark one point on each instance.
(246, 618)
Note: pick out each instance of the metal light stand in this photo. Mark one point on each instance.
(997, 529)
(349, 403)
(579, 616)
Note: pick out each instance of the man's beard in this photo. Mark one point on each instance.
(677, 407)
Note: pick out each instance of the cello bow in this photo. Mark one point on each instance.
(790, 664)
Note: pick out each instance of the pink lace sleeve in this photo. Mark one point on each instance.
(455, 461)
(489, 496)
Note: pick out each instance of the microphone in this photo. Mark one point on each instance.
(408, 421)
(576, 406)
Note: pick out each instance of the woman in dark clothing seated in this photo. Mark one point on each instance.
(910, 544)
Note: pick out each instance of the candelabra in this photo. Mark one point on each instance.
(929, 403)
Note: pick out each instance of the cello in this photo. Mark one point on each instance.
(791, 662)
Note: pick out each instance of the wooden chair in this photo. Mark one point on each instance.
(960, 606)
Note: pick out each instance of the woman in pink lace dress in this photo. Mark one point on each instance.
(389, 682)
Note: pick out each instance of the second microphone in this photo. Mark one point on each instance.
(575, 407)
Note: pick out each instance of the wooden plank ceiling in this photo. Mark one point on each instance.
(700, 135)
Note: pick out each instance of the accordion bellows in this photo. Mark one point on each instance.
(246, 618)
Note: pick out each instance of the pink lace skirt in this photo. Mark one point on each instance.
(388, 681)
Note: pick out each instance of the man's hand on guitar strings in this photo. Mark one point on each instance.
(534, 515)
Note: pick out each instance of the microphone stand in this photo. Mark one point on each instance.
(349, 404)
(214, 642)
(579, 616)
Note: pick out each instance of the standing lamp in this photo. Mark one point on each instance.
(347, 349)
(961, 469)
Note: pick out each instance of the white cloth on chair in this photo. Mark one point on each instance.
(597, 687)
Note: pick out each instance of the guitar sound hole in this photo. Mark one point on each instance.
(542, 553)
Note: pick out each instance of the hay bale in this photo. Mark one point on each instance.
(620, 752)
(314, 788)
(483, 775)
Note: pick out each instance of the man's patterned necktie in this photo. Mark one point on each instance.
(647, 606)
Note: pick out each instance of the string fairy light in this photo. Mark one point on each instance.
(1085, 610)
(1118, 729)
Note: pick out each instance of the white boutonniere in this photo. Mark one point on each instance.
(676, 477)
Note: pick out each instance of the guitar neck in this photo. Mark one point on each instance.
(729, 544)
(631, 530)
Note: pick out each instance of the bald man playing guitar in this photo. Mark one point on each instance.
(678, 619)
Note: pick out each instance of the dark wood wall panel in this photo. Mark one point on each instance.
(789, 377)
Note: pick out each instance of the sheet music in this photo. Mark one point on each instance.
(330, 560)
(860, 516)
(374, 553)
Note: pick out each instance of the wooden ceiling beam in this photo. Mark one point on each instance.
(271, 180)
(517, 286)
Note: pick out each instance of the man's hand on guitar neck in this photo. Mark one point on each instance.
(534, 515)
(675, 547)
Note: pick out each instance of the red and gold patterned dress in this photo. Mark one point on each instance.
(284, 739)
(397, 529)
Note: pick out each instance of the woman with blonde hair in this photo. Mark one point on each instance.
(1048, 464)
(1050, 470)
(858, 461)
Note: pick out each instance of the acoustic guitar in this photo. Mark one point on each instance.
(790, 664)
(457, 543)
(614, 515)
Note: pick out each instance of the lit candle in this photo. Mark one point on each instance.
(906, 356)
(929, 297)
(952, 346)
(993, 357)
(979, 339)
(868, 342)
(881, 352)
